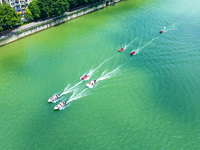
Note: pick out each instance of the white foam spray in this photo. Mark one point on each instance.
(73, 88)
(108, 75)
(127, 45)
(170, 28)
(83, 93)
(79, 95)
(139, 49)
(93, 70)
(67, 87)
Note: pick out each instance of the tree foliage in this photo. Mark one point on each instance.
(38, 9)
(34, 9)
(52, 7)
(47, 8)
(8, 17)
(28, 15)
(77, 3)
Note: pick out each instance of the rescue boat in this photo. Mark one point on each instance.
(54, 98)
(133, 53)
(91, 84)
(121, 49)
(60, 105)
(85, 77)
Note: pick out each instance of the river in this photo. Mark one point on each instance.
(147, 101)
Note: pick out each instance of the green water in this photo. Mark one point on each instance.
(151, 102)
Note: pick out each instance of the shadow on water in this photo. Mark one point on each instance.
(168, 79)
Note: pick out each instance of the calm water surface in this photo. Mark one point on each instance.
(150, 102)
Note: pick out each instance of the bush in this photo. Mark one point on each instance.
(8, 17)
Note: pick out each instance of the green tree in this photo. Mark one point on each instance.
(49, 8)
(77, 3)
(8, 17)
(60, 7)
(52, 7)
(28, 15)
(34, 9)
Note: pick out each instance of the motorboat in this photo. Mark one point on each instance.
(60, 105)
(133, 53)
(121, 49)
(54, 98)
(85, 77)
(91, 84)
(161, 31)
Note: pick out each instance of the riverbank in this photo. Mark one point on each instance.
(35, 27)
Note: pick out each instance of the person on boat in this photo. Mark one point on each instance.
(62, 104)
(94, 81)
(83, 78)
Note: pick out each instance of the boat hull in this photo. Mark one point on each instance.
(56, 108)
(83, 78)
(91, 84)
(133, 53)
(59, 106)
(120, 50)
(52, 99)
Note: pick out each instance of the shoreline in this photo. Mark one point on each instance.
(35, 27)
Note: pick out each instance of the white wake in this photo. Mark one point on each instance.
(73, 88)
(79, 95)
(110, 74)
(93, 70)
(139, 49)
(173, 27)
(127, 45)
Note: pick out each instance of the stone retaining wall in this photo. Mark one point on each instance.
(49, 23)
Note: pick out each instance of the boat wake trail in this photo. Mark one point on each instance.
(93, 70)
(55, 101)
(67, 87)
(127, 45)
(79, 95)
(110, 74)
(83, 93)
(170, 28)
(73, 88)
(139, 49)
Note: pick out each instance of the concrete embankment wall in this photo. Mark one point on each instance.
(47, 24)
